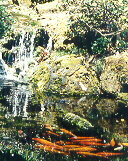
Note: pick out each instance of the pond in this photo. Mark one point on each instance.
(59, 120)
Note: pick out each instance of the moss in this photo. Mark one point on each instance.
(115, 73)
(64, 75)
(78, 121)
(41, 76)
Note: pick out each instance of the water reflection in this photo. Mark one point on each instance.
(21, 110)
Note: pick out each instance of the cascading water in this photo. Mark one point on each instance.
(23, 49)
(26, 50)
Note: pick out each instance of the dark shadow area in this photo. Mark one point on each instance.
(41, 38)
(8, 156)
(124, 88)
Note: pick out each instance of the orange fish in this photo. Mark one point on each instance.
(60, 142)
(90, 140)
(113, 142)
(106, 154)
(68, 132)
(46, 142)
(86, 148)
(67, 147)
(92, 143)
(50, 132)
(53, 150)
(125, 144)
(81, 137)
(69, 142)
(71, 146)
(49, 127)
(91, 154)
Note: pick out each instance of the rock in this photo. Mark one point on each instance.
(78, 121)
(115, 73)
(66, 75)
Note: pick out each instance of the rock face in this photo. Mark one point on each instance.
(114, 78)
(66, 75)
(71, 75)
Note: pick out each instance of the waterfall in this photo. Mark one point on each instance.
(23, 49)
(26, 51)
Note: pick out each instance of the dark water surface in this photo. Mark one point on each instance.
(21, 110)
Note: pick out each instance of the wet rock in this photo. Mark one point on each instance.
(106, 107)
(78, 121)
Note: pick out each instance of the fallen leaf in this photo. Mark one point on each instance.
(112, 142)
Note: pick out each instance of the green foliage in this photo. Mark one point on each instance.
(108, 18)
(100, 45)
(5, 21)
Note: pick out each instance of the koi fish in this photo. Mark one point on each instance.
(53, 150)
(106, 154)
(69, 143)
(92, 143)
(50, 132)
(68, 147)
(60, 142)
(87, 148)
(46, 142)
(90, 140)
(91, 154)
(72, 146)
(81, 137)
(125, 144)
(119, 148)
(68, 132)
(49, 127)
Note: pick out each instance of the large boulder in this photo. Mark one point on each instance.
(114, 78)
(66, 75)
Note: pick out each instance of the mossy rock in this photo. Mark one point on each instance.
(115, 73)
(77, 121)
(66, 75)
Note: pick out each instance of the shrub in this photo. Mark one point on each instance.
(106, 18)
(5, 21)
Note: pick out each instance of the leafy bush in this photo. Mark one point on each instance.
(5, 21)
(106, 18)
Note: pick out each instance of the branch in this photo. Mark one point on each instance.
(104, 35)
